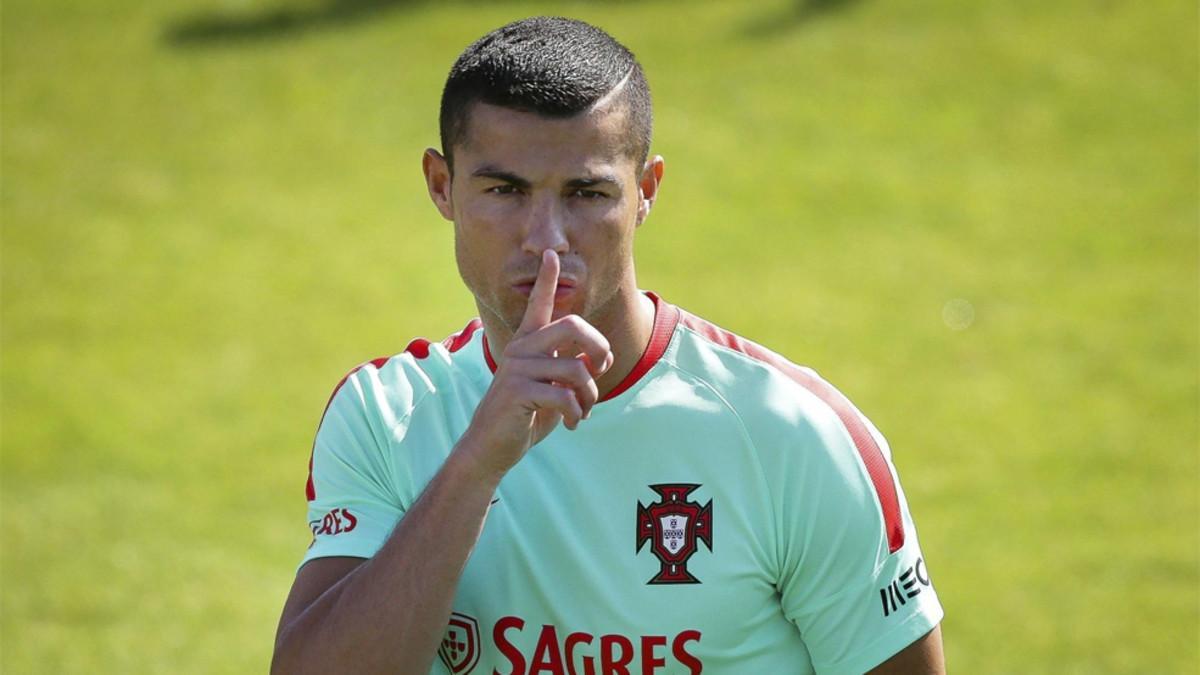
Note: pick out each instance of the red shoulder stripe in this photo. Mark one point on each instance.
(418, 348)
(309, 490)
(868, 449)
(463, 337)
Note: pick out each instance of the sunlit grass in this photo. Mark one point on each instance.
(200, 237)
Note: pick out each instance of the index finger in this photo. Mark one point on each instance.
(541, 299)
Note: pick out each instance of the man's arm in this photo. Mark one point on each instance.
(923, 657)
(388, 613)
(312, 581)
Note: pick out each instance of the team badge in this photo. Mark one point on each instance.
(672, 527)
(459, 650)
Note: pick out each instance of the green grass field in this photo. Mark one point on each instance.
(212, 209)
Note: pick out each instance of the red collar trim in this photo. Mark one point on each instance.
(487, 355)
(666, 317)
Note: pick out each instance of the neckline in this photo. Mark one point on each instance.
(666, 317)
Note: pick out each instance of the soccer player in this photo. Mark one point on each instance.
(586, 479)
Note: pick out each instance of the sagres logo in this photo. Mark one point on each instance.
(672, 527)
(460, 645)
(336, 521)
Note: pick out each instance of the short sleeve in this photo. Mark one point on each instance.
(353, 504)
(855, 601)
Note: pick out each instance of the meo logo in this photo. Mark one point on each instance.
(908, 585)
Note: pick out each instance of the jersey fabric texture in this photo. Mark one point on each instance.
(721, 510)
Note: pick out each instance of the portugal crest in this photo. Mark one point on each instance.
(459, 650)
(672, 526)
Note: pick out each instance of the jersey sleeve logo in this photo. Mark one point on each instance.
(459, 650)
(333, 523)
(905, 587)
(673, 525)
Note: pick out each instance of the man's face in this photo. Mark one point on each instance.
(524, 183)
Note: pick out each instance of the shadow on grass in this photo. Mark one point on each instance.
(797, 14)
(217, 28)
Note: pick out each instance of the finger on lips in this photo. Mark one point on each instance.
(561, 355)
(541, 298)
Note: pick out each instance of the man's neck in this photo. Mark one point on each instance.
(627, 323)
(628, 340)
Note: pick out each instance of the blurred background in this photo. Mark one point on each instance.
(978, 219)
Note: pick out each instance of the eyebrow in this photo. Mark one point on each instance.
(505, 176)
(513, 179)
(593, 181)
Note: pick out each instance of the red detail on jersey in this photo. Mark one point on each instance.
(573, 640)
(461, 338)
(418, 348)
(868, 449)
(310, 491)
(460, 646)
(673, 525)
(679, 649)
(666, 316)
(487, 355)
(334, 523)
(616, 653)
(508, 649)
(546, 656)
(650, 660)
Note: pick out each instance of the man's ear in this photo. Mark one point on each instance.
(648, 183)
(437, 179)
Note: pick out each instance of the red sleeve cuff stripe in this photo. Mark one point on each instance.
(872, 457)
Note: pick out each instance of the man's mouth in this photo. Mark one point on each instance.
(564, 288)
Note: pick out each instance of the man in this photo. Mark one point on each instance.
(587, 479)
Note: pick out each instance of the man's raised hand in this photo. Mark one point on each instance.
(546, 376)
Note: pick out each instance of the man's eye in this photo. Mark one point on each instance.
(503, 189)
(588, 194)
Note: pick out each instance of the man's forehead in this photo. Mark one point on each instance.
(499, 136)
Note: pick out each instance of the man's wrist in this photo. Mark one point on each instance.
(465, 463)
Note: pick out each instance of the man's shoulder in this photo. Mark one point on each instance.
(423, 366)
(737, 365)
(771, 394)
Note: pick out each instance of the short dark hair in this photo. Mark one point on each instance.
(552, 66)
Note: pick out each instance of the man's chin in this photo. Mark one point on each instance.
(567, 306)
(515, 315)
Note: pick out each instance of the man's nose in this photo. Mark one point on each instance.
(546, 228)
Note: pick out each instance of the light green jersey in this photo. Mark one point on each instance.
(722, 510)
